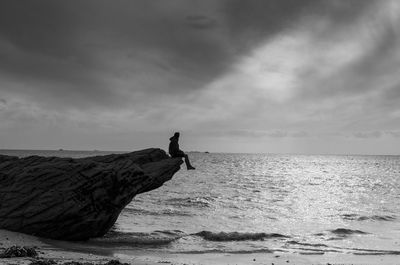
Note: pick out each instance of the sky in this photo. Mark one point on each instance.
(276, 76)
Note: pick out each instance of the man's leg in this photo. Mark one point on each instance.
(187, 162)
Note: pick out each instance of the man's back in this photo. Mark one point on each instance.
(173, 146)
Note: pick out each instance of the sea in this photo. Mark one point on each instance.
(261, 203)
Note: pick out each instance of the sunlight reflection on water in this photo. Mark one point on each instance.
(304, 197)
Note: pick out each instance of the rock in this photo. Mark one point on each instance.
(76, 199)
(17, 252)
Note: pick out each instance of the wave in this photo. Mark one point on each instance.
(166, 212)
(217, 251)
(340, 233)
(156, 238)
(374, 252)
(378, 252)
(346, 232)
(293, 242)
(164, 237)
(318, 248)
(313, 248)
(357, 217)
(236, 236)
(304, 249)
(197, 202)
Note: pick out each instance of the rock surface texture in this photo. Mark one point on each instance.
(76, 199)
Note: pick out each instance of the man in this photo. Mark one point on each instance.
(174, 150)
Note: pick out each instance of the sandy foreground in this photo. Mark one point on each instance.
(62, 255)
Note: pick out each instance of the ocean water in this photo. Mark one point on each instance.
(262, 203)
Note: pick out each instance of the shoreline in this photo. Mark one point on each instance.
(49, 251)
(61, 252)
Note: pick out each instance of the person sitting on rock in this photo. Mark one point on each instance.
(174, 150)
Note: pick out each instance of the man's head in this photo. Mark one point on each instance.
(176, 135)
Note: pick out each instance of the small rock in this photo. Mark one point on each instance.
(115, 262)
(17, 251)
(43, 262)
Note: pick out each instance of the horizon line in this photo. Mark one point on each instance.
(195, 151)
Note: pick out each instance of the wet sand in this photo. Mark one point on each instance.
(61, 255)
(46, 251)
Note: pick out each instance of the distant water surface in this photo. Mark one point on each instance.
(256, 203)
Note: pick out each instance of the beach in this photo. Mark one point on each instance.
(60, 256)
(46, 251)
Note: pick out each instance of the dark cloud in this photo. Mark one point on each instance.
(200, 22)
(72, 49)
(378, 42)
(73, 28)
(46, 27)
(252, 21)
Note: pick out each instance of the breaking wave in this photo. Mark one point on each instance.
(357, 217)
(236, 236)
(196, 202)
(156, 238)
(293, 242)
(346, 232)
(166, 212)
(262, 250)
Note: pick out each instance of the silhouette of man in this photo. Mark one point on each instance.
(174, 150)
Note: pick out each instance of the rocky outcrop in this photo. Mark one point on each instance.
(76, 199)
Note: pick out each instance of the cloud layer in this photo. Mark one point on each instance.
(83, 73)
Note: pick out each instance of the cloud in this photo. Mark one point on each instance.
(257, 134)
(105, 53)
(251, 69)
(362, 57)
(90, 53)
(258, 20)
(395, 134)
(200, 22)
(366, 135)
(300, 134)
(271, 134)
